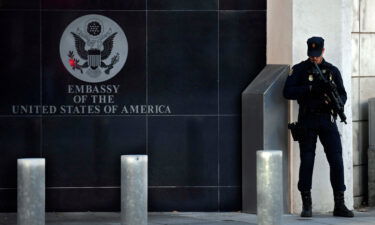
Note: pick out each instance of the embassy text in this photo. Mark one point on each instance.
(93, 89)
(89, 109)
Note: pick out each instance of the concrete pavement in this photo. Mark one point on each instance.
(367, 217)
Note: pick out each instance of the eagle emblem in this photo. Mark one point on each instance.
(93, 48)
(98, 49)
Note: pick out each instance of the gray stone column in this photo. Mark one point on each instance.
(371, 152)
(134, 189)
(31, 191)
(269, 187)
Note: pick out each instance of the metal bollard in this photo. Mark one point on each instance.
(134, 189)
(31, 191)
(371, 152)
(269, 187)
(371, 176)
(371, 121)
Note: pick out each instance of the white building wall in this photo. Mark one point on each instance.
(363, 86)
(333, 21)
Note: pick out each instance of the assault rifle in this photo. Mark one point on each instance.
(333, 98)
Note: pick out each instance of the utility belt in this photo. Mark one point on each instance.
(297, 129)
(317, 111)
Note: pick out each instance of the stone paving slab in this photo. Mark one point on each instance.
(173, 218)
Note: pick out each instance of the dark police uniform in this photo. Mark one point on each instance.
(316, 120)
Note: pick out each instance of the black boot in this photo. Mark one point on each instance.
(340, 208)
(306, 204)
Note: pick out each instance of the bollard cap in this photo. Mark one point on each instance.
(31, 161)
(269, 152)
(134, 158)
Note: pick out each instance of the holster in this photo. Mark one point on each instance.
(296, 130)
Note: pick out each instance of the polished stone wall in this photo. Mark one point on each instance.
(195, 57)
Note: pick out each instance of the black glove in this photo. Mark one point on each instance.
(326, 86)
(320, 87)
(316, 89)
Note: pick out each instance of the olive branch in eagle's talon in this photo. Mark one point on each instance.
(73, 62)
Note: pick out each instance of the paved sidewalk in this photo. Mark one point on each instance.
(194, 218)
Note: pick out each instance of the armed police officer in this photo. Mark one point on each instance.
(313, 83)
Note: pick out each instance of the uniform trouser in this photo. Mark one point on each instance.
(323, 126)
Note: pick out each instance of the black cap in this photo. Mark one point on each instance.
(315, 46)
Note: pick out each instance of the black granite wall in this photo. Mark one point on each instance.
(194, 56)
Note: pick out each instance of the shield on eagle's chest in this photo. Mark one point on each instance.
(94, 58)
